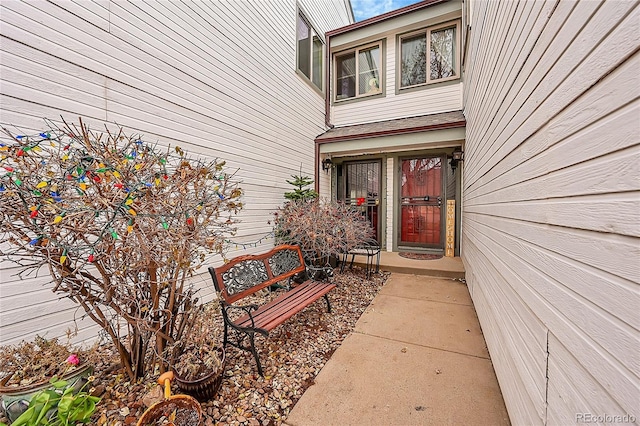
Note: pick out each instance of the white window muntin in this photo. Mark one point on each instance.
(427, 33)
(356, 52)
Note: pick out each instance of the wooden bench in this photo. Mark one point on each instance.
(246, 275)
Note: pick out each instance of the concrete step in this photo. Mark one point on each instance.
(446, 267)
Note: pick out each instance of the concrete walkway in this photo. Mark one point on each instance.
(416, 357)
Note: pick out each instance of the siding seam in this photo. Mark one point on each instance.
(546, 385)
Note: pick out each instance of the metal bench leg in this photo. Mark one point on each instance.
(255, 353)
(226, 335)
(328, 304)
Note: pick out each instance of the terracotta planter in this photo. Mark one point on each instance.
(15, 400)
(204, 388)
(187, 412)
(180, 410)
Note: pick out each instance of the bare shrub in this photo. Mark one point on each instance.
(321, 228)
(120, 225)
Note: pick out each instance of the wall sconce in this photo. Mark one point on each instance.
(456, 156)
(326, 164)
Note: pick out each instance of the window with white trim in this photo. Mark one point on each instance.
(358, 72)
(310, 52)
(430, 55)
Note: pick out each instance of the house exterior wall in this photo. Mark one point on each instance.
(550, 204)
(217, 78)
(393, 104)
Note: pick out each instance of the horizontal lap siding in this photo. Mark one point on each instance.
(429, 100)
(216, 78)
(550, 203)
(393, 106)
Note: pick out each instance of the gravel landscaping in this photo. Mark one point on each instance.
(291, 356)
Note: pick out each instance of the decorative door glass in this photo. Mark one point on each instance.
(421, 202)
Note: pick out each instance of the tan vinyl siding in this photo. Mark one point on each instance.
(429, 99)
(550, 204)
(217, 78)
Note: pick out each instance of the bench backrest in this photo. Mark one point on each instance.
(244, 275)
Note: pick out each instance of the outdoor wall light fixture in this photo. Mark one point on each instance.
(456, 156)
(326, 164)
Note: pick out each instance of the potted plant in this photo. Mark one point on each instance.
(119, 224)
(174, 410)
(199, 359)
(36, 368)
(60, 404)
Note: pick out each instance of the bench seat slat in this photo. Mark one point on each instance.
(283, 307)
(289, 306)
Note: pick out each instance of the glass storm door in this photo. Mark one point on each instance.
(421, 202)
(362, 190)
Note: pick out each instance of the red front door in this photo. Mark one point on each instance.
(421, 202)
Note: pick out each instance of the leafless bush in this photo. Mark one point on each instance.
(321, 228)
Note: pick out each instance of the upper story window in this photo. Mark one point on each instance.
(310, 52)
(358, 72)
(430, 55)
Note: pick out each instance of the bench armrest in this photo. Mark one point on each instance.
(246, 308)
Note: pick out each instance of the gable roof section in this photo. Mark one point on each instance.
(445, 120)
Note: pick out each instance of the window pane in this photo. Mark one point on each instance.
(346, 76)
(304, 47)
(442, 54)
(369, 70)
(413, 66)
(317, 62)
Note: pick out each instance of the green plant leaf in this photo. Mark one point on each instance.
(59, 384)
(84, 408)
(75, 408)
(51, 401)
(26, 417)
(39, 405)
(65, 405)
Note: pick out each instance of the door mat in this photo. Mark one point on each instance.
(420, 256)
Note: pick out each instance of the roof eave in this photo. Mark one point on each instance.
(384, 17)
(453, 125)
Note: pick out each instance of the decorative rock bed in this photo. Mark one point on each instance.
(292, 357)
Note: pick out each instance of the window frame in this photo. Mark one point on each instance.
(427, 32)
(356, 51)
(314, 32)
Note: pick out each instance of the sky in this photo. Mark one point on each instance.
(363, 9)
